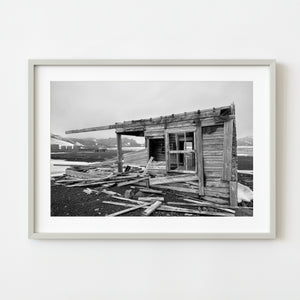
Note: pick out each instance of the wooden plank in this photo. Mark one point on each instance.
(132, 181)
(213, 153)
(172, 179)
(167, 149)
(217, 183)
(151, 191)
(85, 175)
(212, 137)
(124, 211)
(213, 141)
(147, 143)
(228, 136)
(216, 200)
(127, 199)
(148, 165)
(151, 198)
(213, 174)
(177, 148)
(213, 147)
(233, 193)
(173, 209)
(200, 164)
(207, 204)
(152, 208)
(178, 189)
(119, 152)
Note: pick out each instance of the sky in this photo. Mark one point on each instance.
(82, 104)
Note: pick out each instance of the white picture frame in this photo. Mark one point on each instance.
(34, 153)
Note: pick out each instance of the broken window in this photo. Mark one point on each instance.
(181, 152)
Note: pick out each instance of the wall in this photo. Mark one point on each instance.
(147, 269)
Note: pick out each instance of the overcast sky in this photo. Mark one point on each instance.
(78, 104)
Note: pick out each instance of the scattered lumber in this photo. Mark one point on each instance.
(122, 212)
(173, 209)
(152, 208)
(192, 211)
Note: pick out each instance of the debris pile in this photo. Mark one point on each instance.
(142, 189)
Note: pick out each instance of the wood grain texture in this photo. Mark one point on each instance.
(228, 135)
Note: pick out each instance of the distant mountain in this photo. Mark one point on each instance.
(245, 141)
(102, 143)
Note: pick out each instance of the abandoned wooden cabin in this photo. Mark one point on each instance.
(202, 142)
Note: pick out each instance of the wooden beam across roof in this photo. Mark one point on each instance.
(200, 114)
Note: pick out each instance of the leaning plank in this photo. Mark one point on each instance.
(148, 165)
(172, 179)
(122, 212)
(132, 181)
(178, 189)
(152, 208)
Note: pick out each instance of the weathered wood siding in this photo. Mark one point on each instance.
(215, 189)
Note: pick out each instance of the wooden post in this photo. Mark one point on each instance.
(199, 153)
(147, 143)
(233, 193)
(119, 152)
(167, 151)
(227, 150)
(177, 148)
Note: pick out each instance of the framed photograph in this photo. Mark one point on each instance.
(151, 149)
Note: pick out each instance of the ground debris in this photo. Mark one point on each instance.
(150, 193)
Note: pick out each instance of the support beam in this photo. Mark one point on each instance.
(199, 153)
(167, 149)
(227, 150)
(208, 113)
(119, 152)
(233, 193)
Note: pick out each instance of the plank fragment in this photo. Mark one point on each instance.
(122, 212)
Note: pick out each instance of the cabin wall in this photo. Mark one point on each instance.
(215, 188)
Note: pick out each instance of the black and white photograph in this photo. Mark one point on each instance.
(151, 148)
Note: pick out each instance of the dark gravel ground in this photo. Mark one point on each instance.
(73, 201)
